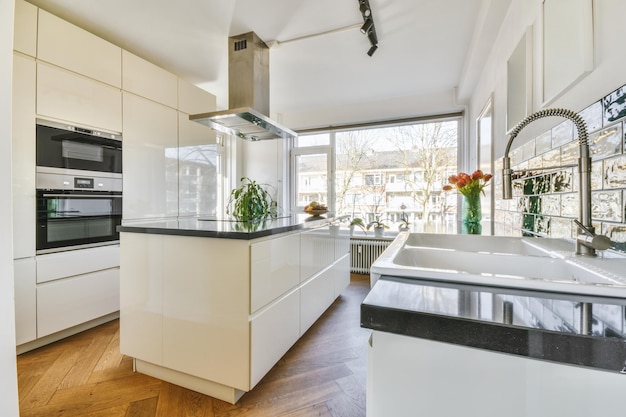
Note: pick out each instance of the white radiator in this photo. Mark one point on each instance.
(363, 253)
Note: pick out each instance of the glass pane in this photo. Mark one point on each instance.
(320, 139)
(396, 173)
(311, 179)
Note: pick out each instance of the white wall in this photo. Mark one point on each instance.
(608, 73)
(8, 381)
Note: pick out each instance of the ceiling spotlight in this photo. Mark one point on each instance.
(367, 26)
(372, 50)
(365, 10)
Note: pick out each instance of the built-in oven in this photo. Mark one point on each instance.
(79, 187)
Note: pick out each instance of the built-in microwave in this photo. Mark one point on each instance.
(65, 146)
(78, 187)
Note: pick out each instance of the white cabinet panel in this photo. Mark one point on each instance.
(68, 46)
(150, 159)
(272, 334)
(194, 100)
(341, 273)
(205, 309)
(23, 156)
(67, 96)
(141, 296)
(66, 264)
(198, 160)
(147, 80)
(24, 274)
(342, 242)
(315, 297)
(274, 270)
(317, 251)
(68, 302)
(25, 30)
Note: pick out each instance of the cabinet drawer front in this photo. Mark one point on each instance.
(67, 96)
(317, 251)
(274, 269)
(315, 297)
(272, 334)
(68, 302)
(66, 264)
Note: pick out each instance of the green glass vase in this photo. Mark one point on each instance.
(471, 215)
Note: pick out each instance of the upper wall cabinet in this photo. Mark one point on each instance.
(194, 100)
(25, 37)
(71, 47)
(147, 80)
(67, 96)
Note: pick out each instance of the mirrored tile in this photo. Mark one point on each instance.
(569, 154)
(607, 205)
(606, 142)
(562, 181)
(569, 205)
(592, 116)
(543, 143)
(551, 204)
(614, 105)
(615, 172)
(617, 234)
(528, 225)
(528, 150)
(561, 228)
(542, 225)
(551, 158)
(562, 133)
(597, 175)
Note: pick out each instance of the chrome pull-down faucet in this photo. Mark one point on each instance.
(588, 242)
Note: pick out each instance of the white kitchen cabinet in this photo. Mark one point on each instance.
(25, 30)
(193, 99)
(315, 297)
(24, 275)
(409, 377)
(23, 156)
(150, 159)
(68, 46)
(68, 96)
(317, 250)
(198, 160)
(145, 79)
(274, 270)
(68, 302)
(60, 265)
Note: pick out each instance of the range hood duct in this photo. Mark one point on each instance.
(248, 94)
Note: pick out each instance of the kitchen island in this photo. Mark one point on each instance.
(212, 305)
(445, 349)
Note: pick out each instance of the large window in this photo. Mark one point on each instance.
(385, 172)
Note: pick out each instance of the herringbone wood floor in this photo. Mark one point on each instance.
(85, 375)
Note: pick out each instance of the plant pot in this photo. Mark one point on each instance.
(379, 231)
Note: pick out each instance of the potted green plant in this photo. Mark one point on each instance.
(357, 222)
(404, 223)
(378, 225)
(251, 202)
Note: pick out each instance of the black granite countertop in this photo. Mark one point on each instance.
(225, 228)
(576, 330)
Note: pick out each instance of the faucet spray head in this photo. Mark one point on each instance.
(507, 180)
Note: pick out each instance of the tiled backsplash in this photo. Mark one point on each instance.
(545, 202)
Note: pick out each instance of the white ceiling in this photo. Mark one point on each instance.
(423, 51)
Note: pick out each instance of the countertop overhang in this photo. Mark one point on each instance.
(224, 228)
(453, 313)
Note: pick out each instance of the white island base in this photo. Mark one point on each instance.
(213, 314)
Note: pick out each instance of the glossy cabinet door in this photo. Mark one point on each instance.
(61, 265)
(24, 273)
(68, 96)
(150, 159)
(145, 79)
(199, 158)
(23, 156)
(25, 29)
(193, 99)
(315, 297)
(68, 46)
(317, 251)
(275, 267)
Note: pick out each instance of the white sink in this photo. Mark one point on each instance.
(523, 263)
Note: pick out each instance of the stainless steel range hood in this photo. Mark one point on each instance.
(248, 94)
